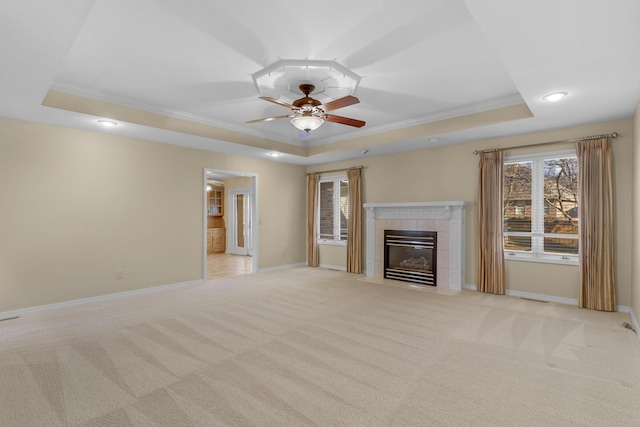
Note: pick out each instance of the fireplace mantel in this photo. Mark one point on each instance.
(451, 214)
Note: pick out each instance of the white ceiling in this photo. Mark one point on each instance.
(421, 62)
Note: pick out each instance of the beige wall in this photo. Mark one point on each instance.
(635, 261)
(450, 173)
(77, 206)
(237, 182)
(333, 256)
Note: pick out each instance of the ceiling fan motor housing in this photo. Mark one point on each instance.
(307, 100)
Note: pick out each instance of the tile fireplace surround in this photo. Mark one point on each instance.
(446, 218)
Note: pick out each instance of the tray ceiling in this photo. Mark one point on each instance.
(431, 72)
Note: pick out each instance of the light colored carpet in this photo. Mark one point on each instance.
(309, 346)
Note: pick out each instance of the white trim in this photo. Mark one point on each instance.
(542, 297)
(255, 232)
(416, 205)
(547, 155)
(332, 177)
(546, 258)
(333, 267)
(205, 218)
(531, 295)
(329, 242)
(71, 303)
(551, 298)
(282, 267)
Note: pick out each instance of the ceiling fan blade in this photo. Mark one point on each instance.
(277, 101)
(344, 120)
(340, 103)
(268, 119)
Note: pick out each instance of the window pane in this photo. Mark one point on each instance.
(561, 246)
(517, 197)
(517, 243)
(326, 210)
(541, 216)
(344, 209)
(561, 196)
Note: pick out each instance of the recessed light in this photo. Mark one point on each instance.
(556, 96)
(434, 139)
(108, 123)
(274, 154)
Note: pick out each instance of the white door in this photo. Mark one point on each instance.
(240, 222)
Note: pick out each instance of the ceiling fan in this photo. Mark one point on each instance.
(308, 113)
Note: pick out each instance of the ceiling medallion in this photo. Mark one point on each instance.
(331, 84)
(283, 78)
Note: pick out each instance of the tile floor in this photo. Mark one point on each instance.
(226, 265)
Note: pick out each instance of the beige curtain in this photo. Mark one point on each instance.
(354, 227)
(313, 257)
(595, 210)
(490, 274)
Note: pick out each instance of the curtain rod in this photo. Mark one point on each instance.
(336, 170)
(584, 138)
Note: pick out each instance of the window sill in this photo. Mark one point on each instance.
(332, 242)
(544, 259)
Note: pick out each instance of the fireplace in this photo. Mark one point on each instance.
(410, 256)
(445, 218)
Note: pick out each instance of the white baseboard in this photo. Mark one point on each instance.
(333, 267)
(542, 297)
(548, 298)
(282, 267)
(71, 303)
(529, 295)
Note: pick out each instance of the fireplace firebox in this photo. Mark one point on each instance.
(410, 256)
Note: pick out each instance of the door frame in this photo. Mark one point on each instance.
(221, 174)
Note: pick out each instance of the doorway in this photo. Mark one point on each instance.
(234, 220)
(240, 221)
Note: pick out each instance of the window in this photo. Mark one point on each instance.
(541, 208)
(334, 210)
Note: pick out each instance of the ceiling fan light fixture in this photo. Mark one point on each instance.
(307, 123)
